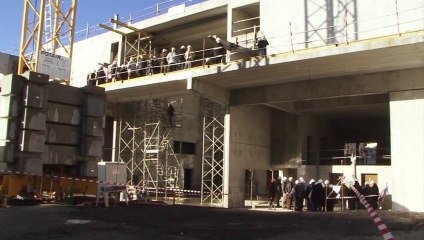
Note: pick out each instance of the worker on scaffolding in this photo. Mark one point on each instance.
(170, 113)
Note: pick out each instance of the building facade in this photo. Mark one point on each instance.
(338, 91)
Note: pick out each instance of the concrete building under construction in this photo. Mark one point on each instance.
(336, 90)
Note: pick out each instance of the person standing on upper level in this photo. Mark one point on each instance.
(163, 61)
(172, 59)
(189, 57)
(261, 43)
(219, 51)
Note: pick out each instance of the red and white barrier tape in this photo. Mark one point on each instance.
(384, 230)
(177, 190)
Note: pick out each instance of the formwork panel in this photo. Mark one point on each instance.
(88, 168)
(94, 106)
(7, 152)
(35, 96)
(9, 128)
(58, 154)
(10, 106)
(32, 141)
(62, 134)
(64, 114)
(12, 84)
(33, 165)
(36, 77)
(93, 126)
(60, 93)
(92, 146)
(34, 119)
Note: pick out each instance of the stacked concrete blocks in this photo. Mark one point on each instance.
(93, 112)
(47, 123)
(10, 112)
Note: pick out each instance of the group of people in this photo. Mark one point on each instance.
(167, 61)
(139, 66)
(319, 195)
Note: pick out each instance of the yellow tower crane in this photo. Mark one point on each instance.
(48, 26)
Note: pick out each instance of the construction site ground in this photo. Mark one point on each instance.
(159, 220)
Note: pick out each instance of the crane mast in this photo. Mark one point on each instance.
(47, 26)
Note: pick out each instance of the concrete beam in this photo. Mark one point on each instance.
(289, 107)
(117, 22)
(332, 103)
(111, 29)
(209, 90)
(355, 85)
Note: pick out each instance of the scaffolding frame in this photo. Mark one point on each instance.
(146, 145)
(212, 187)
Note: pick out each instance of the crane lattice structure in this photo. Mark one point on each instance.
(212, 190)
(330, 21)
(61, 35)
(146, 144)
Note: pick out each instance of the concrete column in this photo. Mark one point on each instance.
(227, 125)
(247, 146)
(407, 149)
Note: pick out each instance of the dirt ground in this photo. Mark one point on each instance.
(162, 221)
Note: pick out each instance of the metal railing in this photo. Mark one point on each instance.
(382, 156)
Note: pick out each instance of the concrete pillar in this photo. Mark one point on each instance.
(226, 159)
(247, 146)
(407, 149)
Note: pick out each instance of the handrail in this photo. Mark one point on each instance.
(286, 43)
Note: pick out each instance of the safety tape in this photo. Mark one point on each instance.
(177, 190)
(367, 196)
(384, 230)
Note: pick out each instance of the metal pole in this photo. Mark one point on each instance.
(397, 18)
(203, 57)
(251, 189)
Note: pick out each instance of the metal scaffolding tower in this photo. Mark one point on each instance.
(146, 144)
(212, 190)
(330, 21)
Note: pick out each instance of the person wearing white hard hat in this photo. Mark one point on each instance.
(330, 196)
(299, 191)
(219, 51)
(308, 195)
(287, 190)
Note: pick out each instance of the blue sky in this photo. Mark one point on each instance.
(92, 12)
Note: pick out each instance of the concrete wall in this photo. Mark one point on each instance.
(192, 126)
(249, 147)
(284, 135)
(276, 17)
(407, 141)
(88, 53)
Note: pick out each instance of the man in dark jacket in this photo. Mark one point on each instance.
(299, 194)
